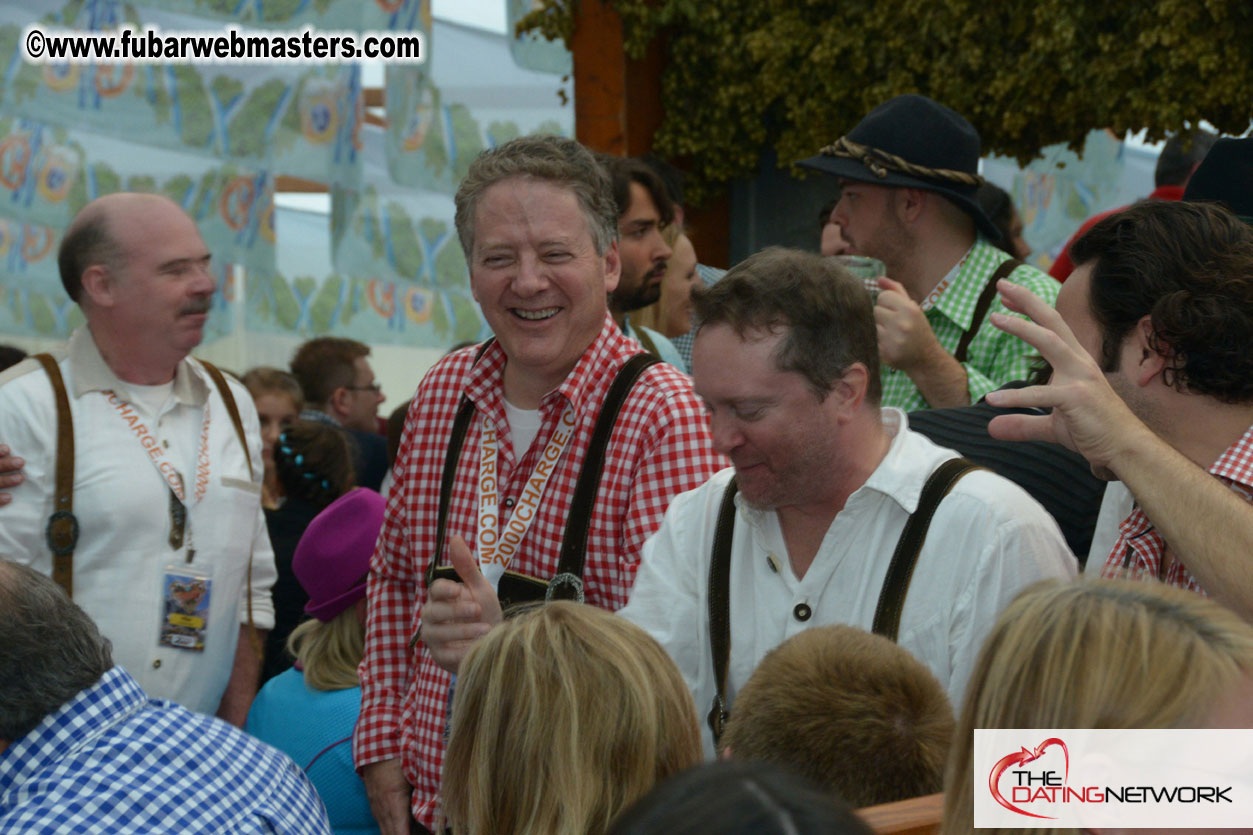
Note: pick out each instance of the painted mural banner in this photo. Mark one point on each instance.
(532, 51)
(1061, 189)
(291, 117)
(470, 96)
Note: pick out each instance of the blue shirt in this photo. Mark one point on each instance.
(666, 352)
(314, 728)
(113, 760)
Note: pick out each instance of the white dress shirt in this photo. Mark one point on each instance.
(122, 504)
(987, 541)
(1116, 505)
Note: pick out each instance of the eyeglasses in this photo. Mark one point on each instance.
(375, 387)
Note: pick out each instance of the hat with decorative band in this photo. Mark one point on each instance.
(912, 141)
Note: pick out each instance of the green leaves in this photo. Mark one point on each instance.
(744, 75)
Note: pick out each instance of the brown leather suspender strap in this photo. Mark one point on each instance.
(887, 616)
(62, 531)
(720, 607)
(232, 408)
(891, 597)
(982, 305)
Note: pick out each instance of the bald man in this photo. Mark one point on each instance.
(172, 559)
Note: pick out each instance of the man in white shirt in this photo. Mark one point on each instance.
(786, 361)
(172, 559)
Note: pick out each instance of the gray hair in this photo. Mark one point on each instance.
(50, 650)
(554, 159)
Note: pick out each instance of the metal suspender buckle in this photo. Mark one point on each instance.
(561, 580)
(62, 532)
(718, 717)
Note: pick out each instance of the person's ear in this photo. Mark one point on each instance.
(910, 203)
(849, 391)
(1153, 357)
(613, 266)
(337, 406)
(99, 285)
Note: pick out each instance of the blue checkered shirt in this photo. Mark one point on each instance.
(112, 760)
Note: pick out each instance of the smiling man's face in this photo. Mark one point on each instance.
(536, 274)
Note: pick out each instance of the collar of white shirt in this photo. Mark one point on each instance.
(92, 373)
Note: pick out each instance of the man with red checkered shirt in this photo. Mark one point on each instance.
(1151, 346)
(539, 226)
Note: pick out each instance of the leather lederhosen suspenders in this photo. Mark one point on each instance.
(982, 305)
(887, 616)
(567, 583)
(62, 531)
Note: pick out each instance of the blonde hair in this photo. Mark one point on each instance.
(266, 379)
(1095, 654)
(562, 717)
(328, 652)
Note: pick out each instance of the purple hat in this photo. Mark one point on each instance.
(333, 555)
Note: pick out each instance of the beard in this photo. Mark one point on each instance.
(644, 292)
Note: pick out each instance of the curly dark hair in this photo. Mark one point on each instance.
(313, 462)
(1189, 266)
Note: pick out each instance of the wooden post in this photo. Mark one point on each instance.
(618, 108)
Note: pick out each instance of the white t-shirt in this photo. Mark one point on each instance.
(524, 425)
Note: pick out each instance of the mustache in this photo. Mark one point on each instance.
(196, 306)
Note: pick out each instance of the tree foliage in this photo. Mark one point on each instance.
(744, 75)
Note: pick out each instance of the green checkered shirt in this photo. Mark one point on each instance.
(993, 357)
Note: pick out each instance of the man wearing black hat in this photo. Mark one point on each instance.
(1152, 350)
(908, 175)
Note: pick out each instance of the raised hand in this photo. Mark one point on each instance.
(458, 614)
(1088, 415)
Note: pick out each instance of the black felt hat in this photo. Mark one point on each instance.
(1225, 176)
(912, 141)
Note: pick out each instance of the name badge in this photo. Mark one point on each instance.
(185, 607)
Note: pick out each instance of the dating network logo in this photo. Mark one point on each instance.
(1044, 785)
(1027, 786)
(1093, 778)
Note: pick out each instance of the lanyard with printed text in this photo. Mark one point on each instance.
(179, 527)
(496, 546)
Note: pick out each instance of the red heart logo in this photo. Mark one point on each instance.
(1023, 757)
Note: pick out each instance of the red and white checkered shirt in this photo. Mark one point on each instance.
(660, 447)
(1140, 549)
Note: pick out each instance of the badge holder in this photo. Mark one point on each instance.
(185, 595)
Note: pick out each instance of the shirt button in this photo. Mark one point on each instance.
(165, 444)
(156, 665)
(802, 612)
(509, 503)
